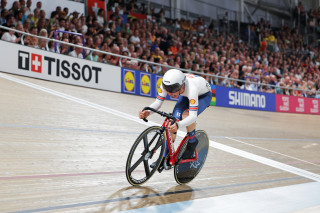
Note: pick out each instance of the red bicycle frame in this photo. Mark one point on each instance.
(174, 154)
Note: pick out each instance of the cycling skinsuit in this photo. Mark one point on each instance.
(195, 98)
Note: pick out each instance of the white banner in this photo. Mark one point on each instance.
(31, 62)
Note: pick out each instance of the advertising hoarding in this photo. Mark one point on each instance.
(141, 83)
(294, 104)
(26, 61)
(245, 99)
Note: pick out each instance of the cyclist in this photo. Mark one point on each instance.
(194, 96)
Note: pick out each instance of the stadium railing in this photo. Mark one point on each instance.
(213, 78)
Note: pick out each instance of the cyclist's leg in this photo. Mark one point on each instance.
(193, 142)
(204, 102)
(179, 110)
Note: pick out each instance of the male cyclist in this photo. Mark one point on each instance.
(194, 96)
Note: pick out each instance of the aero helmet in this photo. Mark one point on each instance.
(173, 80)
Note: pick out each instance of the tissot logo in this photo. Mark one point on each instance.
(36, 63)
(24, 62)
(57, 67)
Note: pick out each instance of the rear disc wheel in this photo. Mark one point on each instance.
(186, 172)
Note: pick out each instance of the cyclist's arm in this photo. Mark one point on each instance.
(161, 96)
(193, 115)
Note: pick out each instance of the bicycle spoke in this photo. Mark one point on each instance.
(146, 145)
(154, 137)
(136, 164)
(159, 143)
(146, 167)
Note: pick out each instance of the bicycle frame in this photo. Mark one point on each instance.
(174, 154)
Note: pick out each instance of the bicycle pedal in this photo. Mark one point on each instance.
(160, 168)
(153, 165)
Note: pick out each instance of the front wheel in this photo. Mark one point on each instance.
(150, 145)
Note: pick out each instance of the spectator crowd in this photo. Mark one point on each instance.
(280, 58)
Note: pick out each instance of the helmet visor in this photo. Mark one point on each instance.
(172, 88)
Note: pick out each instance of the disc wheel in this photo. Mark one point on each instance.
(148, 148)
(186, 172)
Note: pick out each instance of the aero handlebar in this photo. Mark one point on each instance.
(164, 114)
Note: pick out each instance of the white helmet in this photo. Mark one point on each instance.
(173, 80)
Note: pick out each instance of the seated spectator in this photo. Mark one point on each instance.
(43, 42)
(157, 54)
(3, 15)
(66, 13)
(157, 68)
(77, 52)
(247, 85)
(254, 83)
(101, 18)
(28, 8)
(93, 56)
(27, 25)
(145, 67)
(135, 39)
(15, 7)
(35, 18)
(173, 50)
(20, 28)
(114, 60)
(9, 36)
(33, 41)
(39, 5)
(124, 61)
(233, 83)
(64, 48)
(9, 21)
(3, 5)
(119, 26)
(134, 64)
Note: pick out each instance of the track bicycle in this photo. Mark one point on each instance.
(150, 146)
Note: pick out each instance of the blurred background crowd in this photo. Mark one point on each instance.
(275, 60)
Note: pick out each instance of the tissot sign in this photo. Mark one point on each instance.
(27, 61)
(52, 66)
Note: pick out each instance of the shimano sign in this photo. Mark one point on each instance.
(244, 99)
(247, 99)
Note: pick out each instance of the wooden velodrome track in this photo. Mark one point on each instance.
(63, 149)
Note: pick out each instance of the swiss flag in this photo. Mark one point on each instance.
(93, 6)
(36, 63)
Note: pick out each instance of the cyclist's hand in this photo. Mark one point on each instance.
(143, 114)
(173, 128)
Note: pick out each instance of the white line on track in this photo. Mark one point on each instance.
(288, 156)
(214, 144)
